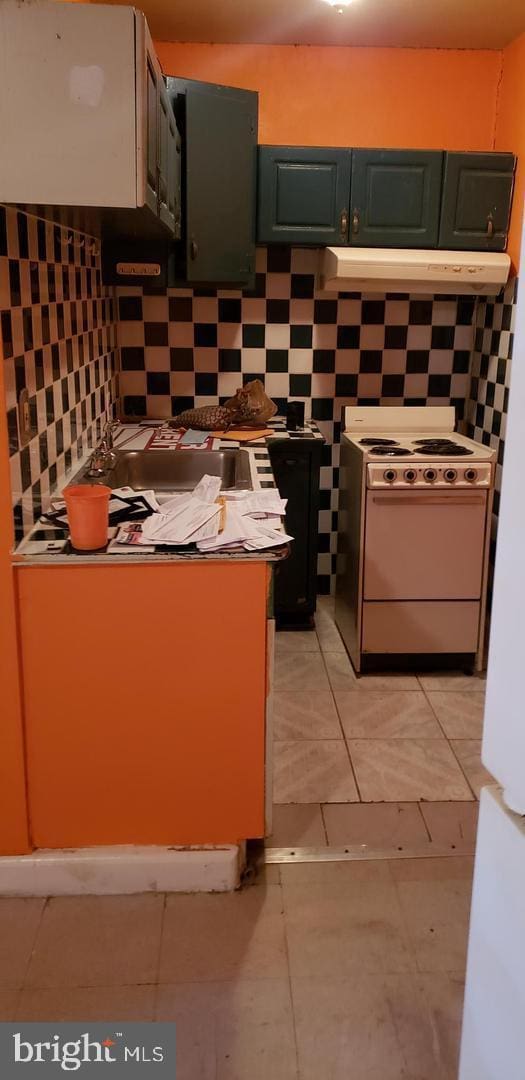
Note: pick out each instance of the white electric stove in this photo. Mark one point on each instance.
(415, 500)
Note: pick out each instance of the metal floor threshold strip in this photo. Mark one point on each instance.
(362, 853)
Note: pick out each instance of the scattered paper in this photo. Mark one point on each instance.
(207, 489)
(194, 438)
(180, 523)
(258, 502)
(252, 520)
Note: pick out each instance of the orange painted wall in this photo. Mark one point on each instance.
(14, 835)
(510, 131)
(330, 96)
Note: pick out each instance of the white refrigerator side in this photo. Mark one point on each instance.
(503, 750)
(493, 1036)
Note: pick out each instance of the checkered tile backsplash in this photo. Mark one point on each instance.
(181, 348)
(487, 405)
(59, 341)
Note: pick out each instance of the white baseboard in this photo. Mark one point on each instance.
(126, 869)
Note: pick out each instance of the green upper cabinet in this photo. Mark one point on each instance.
(219, 170)
(303, 195)
(477, 195)
(395, 198)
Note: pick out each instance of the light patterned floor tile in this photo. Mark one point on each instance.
(97, 941)
(84, 1004)
(210, 937)
(403, 770)
(468, 753)
(297, 641)
(436, 906)
(442, 995)
(232, 1030)
(343, 677)
(460, 868)
(378, 825)
(8, 1004)
(455, 681)
(390, 715)
(299, 825)
(300, 671)
(340, 928)
(305, 714)
(313, 772)
(330, 639)
(351, 874)
(452, 823)
(19, 922)
(374, 1027)
(460, 714)
(326, 603)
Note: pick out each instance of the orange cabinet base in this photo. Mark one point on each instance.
(144, 699)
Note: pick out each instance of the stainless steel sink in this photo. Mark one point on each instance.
(170, 470)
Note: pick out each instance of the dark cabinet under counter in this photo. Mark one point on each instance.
(296, 467)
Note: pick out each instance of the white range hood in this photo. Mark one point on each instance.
(412, 271)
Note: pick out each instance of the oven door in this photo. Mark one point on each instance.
(424, 546)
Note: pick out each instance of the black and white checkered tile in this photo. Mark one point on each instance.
(58, 335)
(181, 348)
(487, 405)
(259, 447)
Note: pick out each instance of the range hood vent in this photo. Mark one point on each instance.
(412, 271)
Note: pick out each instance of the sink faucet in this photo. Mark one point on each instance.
(103, 458)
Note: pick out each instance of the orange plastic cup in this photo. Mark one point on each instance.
(87, 508)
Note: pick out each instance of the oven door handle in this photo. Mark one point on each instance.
(428, 500)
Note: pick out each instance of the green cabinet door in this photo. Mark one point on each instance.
(303, 195)
(168, 174)
(152, 135)
(477, 196)
(395, 198)
(219, 163)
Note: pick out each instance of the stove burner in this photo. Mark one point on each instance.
(445, 448)
(390, 451)
(434, 442)
(378, 442)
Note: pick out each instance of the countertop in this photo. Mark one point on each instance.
(44, 546)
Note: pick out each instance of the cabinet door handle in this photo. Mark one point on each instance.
(490, 225)
(343, 224)
(194, 249)
(355, 222)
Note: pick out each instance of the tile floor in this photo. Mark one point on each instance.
(318, 970)
(385, 759)
(321, 969)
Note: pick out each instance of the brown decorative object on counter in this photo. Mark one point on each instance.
(250, 407)
(252, 400)
(207, 418)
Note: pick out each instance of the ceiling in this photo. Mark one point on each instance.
(450, 24)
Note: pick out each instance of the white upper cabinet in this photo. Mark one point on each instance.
(83, 118)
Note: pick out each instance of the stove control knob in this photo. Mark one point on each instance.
(430, 475)
(410, 475)
(389, 475)
(470, 475)
(450, 475)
